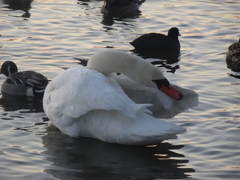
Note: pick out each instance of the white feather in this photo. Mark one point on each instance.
(92, 102)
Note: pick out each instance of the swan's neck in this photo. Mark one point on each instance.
(136, 68)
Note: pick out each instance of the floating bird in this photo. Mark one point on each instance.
(25, 83)
(233, 56)
(18, 4)
(95, 102)
(121, 7)
(156, 42)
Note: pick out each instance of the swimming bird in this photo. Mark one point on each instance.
(121, 7)
(17, 1)
(156, 42)
(24, 83)
(233, 56)
(18, 4)
(95, 102)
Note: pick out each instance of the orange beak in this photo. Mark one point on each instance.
(171, 91)
(165, 86)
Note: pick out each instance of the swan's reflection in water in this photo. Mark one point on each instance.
(84, 158)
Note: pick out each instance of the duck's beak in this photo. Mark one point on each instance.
(168, 89)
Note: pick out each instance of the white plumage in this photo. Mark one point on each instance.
(94, 102)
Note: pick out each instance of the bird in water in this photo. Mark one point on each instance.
(95, 102)
(233, 56)
(156, 42)
(122, 8)
(24, 83)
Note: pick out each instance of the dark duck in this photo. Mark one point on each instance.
(157, 42)
(24, 83)
(233, 56)
(122, 8)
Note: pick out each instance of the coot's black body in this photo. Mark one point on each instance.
(156, 42)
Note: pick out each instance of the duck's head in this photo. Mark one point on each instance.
(174, 32)
(8, 68)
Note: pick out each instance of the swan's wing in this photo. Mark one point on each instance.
(77, 91)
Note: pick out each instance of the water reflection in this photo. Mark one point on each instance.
(85, 2)
(236, 75)
(93, 159)
(89, 0)
(14, 103)
(23, 5)
(1, 44)
(166, 60)
(109, 20)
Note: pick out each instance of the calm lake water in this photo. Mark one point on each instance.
(48, 35)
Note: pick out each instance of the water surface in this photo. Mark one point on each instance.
(47, 36)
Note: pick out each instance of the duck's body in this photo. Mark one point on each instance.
(92, 102)
(17, 1)
(25, 83)
(233, 56)
(121, 7)
(15, 4)
(156, 42)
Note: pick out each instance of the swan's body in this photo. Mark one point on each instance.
(93, 102)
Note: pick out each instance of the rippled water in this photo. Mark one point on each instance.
(48, 35)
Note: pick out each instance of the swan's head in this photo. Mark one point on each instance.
(141, 71)
(164, 86)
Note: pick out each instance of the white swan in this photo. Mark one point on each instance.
(94, 102)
